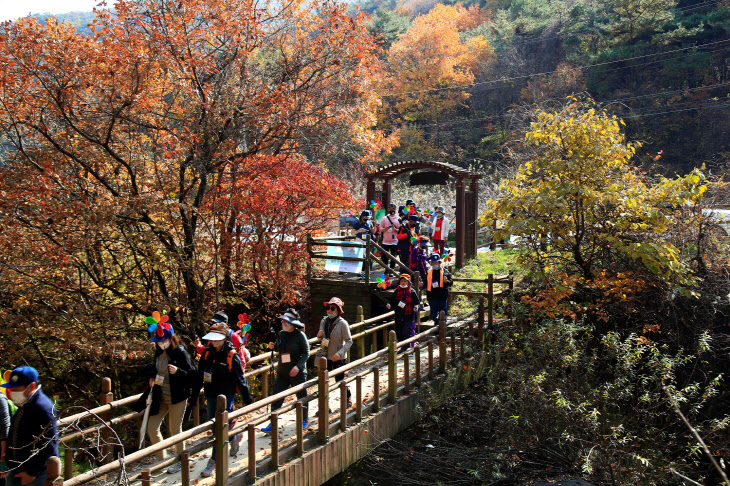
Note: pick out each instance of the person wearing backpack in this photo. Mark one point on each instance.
(170, 388)
(220, 372)
(236, 337)
(293, 348)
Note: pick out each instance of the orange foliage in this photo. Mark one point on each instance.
(140, 155)
(431, 57)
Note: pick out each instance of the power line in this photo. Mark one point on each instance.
(525, 76)
(603, 102)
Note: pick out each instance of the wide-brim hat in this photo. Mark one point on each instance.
(439, 209)
(336, 301)
(291, 319)
(214, 336)
(423, 241)
(392, 205)
(434, 258)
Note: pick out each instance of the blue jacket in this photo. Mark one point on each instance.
(33, 436)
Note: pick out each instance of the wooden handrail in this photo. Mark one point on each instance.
(455, 327)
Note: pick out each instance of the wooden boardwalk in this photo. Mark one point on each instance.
(387, 387)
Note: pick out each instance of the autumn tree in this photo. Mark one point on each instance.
(171, 161)
(590, 223)
(429, 65)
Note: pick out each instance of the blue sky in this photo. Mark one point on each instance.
(14, 9)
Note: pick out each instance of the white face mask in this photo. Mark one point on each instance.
(164, 344)
(436, 267)
(332, 315)
(404, 285)
(18, 397)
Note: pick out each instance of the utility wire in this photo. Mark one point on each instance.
(587, 66)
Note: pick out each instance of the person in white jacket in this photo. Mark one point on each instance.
(389, 226)
(440, 227)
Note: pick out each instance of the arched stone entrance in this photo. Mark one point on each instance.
(467, 198)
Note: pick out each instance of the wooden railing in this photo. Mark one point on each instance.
(457, 331)
(458, 334)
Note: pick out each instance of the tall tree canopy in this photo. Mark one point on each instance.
(173, 159)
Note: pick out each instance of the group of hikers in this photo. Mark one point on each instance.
(28, 420)
(405, 233)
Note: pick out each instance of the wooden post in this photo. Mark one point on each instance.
(418, 322)
(196, 411)
(145, 476)
(323, 398)
(490, 302)
(358, 398)
(461, 343)
(343, 406)
(376, 389)
(453, 345)
(392, 370)
(417, 358)
(480, 320)
(309, 258)
(373, 342)
(366, 263)
(265, 382)
(430, 360)
(274, 440)
(221, 441)
(442, 342)
(406, 373)
(185, 471)
(105, 398)
(510, 297)
(417, 285)
(300, 428)
(68, 463)
(361, 341)
(470, 334)
(385, 336)
(460, 223)
(53, 472)
(251, 453)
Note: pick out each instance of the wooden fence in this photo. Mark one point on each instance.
(465, 330)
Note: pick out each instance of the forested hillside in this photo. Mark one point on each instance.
(459, 78)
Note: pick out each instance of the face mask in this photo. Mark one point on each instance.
(332, 315)
(18, 397)
(164, 344)
(439, 215)
(404, 286)
(436, 267)
(392, 211)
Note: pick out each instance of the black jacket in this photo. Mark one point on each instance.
(438, 293)
(33, 436)
(398, 296)
(180, 382)
(223, 381)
